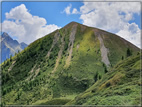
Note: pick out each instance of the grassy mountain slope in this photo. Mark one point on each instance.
(120, 86)
(61, 65)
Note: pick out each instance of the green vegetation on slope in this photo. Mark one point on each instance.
(120, 86)
(39, 75)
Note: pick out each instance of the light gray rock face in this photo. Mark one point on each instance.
(104, 52)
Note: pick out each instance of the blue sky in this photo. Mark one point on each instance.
(137, 19)
(28, 21)
(51, 11)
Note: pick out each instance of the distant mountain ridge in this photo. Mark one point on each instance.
(10, 46)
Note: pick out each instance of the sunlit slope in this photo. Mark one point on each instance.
(120, 86)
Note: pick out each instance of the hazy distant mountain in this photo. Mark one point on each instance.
(74, 65)
(10, 46)
(23, 45)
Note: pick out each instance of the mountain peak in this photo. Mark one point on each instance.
(23, 45)
(73, 22)
(5, 35)
(10, 46)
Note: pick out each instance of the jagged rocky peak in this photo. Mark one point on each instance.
(10, 46)
(4, 35)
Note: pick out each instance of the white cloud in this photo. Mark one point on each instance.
(13, 28)
(108, 16)
(131, 33)
(18, 13)
(26, 27)
(75, 11)
(67, 10)
(113, 17)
